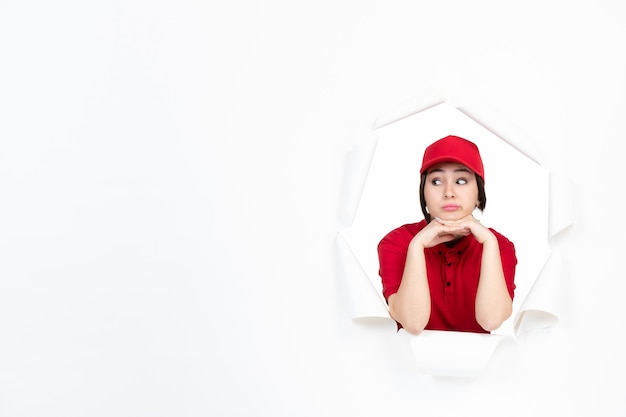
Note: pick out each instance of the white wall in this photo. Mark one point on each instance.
(170, 180)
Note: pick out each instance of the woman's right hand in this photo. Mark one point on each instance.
(436, 232)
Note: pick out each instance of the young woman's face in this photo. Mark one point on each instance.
(450, 191)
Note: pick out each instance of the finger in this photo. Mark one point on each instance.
(455, 228)
(448, 237)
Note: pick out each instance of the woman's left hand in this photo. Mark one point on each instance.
(477, 229)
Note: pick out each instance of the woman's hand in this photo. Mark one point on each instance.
(441, 231)
(471, 225)
(438, 231)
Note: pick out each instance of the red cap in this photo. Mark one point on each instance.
(453, 149)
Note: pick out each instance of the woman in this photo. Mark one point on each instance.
(448, 272)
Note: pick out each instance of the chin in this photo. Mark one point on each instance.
(452, 216)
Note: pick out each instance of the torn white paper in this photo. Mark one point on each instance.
(522, 201)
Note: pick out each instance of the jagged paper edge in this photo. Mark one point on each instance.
(535, 312)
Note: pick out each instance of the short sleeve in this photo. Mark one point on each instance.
(509, 261)
(392, 252)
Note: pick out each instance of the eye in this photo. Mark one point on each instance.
(435, 181)
(461, 181)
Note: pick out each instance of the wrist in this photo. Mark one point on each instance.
(490, 240)
(416, 245)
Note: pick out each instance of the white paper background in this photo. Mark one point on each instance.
(171, 176)
(390, 195)
(389, 198)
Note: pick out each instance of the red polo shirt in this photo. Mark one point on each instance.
(453, 275)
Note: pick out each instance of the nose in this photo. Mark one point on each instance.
(448, 191)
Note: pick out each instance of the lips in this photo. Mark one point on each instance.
(450, 207)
